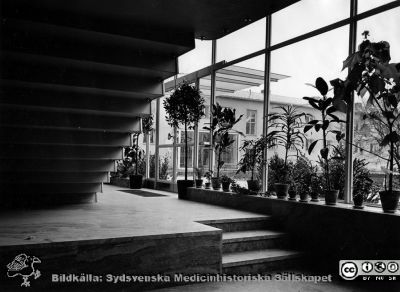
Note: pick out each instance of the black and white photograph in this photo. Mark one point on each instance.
(199, 145)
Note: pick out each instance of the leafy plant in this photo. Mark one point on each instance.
(223, 121)
(361, 175)
(184, 107)
(135, 152)
(362, 183)
(303, 174)
(253, 155)
(278, 170)
(286, 125)
(370, 72)
(226, 179)
(199, 172)
(327, 106)
(208, 175)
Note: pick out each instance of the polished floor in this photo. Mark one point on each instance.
(116, 214)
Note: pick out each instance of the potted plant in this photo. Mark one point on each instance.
(371, 73)
(303, 172)
(207, 184)
(221, 127)
(286, 132)
(252, 159)
(137, 154)
(185, 106)
(316, 186)
(327, 107)
(226, 182)
(199, 174)
(277, 170)
(362, 183)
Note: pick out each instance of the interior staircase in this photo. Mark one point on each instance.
(254, 245)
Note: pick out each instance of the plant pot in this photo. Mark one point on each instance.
(216, 183)
(207, 185)
(135, 181)
(358, 202)
(331, 197)
(292, 195)
(314, 198)
(199, 183)
(225, 186)
(183, 185)
(389, 200)
(304, 197)
(281, 190)
(253, 185)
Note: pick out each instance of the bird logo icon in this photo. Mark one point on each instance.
(23, 265)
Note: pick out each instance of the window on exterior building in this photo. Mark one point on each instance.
(251, 116)
(206, 112)
(151, 137)
(231, 153)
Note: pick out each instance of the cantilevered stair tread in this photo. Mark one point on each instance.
(237, 236)
(258, 256)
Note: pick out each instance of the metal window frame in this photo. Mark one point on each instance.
(352, 21)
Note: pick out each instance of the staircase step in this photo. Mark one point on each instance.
(239, 224)
(259, 261)
(252, 240)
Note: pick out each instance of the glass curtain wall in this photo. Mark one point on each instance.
(310, 46)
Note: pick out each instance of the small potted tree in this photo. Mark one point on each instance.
(286, 132)
(185, 106)
(221, 127)
(327, 107)
(199, 174)
(137, 154)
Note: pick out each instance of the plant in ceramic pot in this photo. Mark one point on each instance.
(208, 176)
(226, 182)
(371, 75)
(327, 106)
(221, 127)
(199, 174)
(137, 154)
(252, 159)
(286, 125)
(185, 106)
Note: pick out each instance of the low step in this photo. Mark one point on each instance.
(239, 224)
(258, 261)
(253, 240)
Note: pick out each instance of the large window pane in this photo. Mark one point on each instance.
(303, 62)
(165, 164)
(249, 39)
(364, 5)
(368, 134)
(305, 16)
(297, 65)
(196, 59)
(240, 87)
